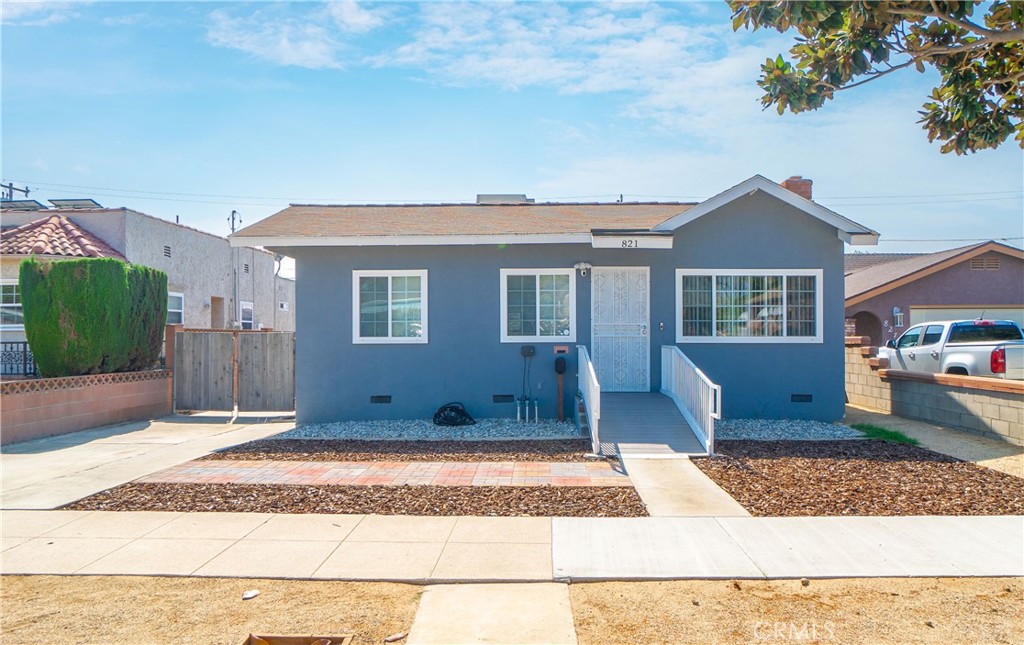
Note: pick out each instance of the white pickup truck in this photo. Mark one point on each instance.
(993, 348)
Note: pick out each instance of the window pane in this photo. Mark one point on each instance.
(932, 335)
(373, 307)
(9, 294)
(800, 305)
(406, 320)
(696, 305)
(554, 305)
(175, 302)
(173, 318)
(748, 305)
(521, 292)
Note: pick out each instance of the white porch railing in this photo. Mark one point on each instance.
(590, 389)
(699, 400)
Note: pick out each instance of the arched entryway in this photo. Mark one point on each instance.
(868, 324)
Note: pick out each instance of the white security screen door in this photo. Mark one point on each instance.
(620, 320)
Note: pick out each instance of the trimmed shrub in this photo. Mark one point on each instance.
(93, 315)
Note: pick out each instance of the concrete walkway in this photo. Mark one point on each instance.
(47, 473)
(991, 453)
(677, 488)
(506, 549)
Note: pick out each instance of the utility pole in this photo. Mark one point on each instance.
(231, 219)
(9, 189)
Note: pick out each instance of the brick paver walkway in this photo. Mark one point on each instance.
(423, 473)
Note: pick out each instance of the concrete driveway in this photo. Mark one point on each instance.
(47, 473)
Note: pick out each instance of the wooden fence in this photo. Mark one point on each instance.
(222, 370)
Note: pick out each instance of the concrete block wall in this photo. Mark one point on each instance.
(863, 387)
(984, 406)
(38, 408)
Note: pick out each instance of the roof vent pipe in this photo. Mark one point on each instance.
(500, 198)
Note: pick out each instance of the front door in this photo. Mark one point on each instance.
(620, 319)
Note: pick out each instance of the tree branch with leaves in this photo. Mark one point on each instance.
(977, 48)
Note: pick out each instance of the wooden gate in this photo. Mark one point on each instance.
(222, 370)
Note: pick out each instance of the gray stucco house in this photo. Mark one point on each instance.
(402, 308)
(886, 293)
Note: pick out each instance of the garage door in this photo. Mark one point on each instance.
(925, 314)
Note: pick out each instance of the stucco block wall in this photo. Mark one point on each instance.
(984, 406)
(465, 360)
(50, 407)
(957, 285)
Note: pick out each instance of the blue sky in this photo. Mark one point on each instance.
(196, 109)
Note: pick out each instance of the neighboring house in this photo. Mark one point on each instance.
(405, 308)
(210, 284)
(888, 292)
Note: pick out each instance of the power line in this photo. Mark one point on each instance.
(254, 200)
(951, 239)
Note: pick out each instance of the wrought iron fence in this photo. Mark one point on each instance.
(16, 359)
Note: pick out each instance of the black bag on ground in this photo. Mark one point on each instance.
(453, 414)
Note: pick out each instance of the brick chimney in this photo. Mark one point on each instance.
(799, 185)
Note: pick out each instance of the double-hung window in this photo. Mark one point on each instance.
(175, 308)
(247, 316)
(748, 306)
(538, 305)
(11, 317)
(389, 306)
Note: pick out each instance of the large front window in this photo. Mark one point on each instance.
(538, 305)
(10, 306)
(389, 306)
(748, 306)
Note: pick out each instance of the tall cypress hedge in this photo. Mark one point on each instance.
(92, 316)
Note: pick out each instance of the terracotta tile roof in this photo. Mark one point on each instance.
(876, 276)
(459, 219)
(54, 235)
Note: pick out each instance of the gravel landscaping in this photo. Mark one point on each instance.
(782, 430)
(803, 478)
(424, 429)
(508, 501)
(552, 450)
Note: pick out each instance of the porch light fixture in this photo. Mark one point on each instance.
(583, 267)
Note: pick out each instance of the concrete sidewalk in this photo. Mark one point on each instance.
(47, 473)
(506, 549)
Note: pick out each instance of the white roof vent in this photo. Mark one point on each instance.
(502, 199)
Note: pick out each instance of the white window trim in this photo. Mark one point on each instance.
(818, 306)
(389, 340)
(182, 310)
(241, 307)
(13, 327)
(503, 286)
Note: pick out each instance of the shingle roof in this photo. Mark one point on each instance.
(853, 262)
(54, 235)
(459, 219)
(879, 275)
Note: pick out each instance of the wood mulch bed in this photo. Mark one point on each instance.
(565, 450)
(509, 501)
(857, 477)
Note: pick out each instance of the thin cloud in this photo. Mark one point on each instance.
(37, 14)
(315, 39)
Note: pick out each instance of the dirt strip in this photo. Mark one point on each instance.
(359, 450)
(115, 610)
(506, 501)
(877, 611)
(796, 478)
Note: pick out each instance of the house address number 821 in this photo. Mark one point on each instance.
(630, 244)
